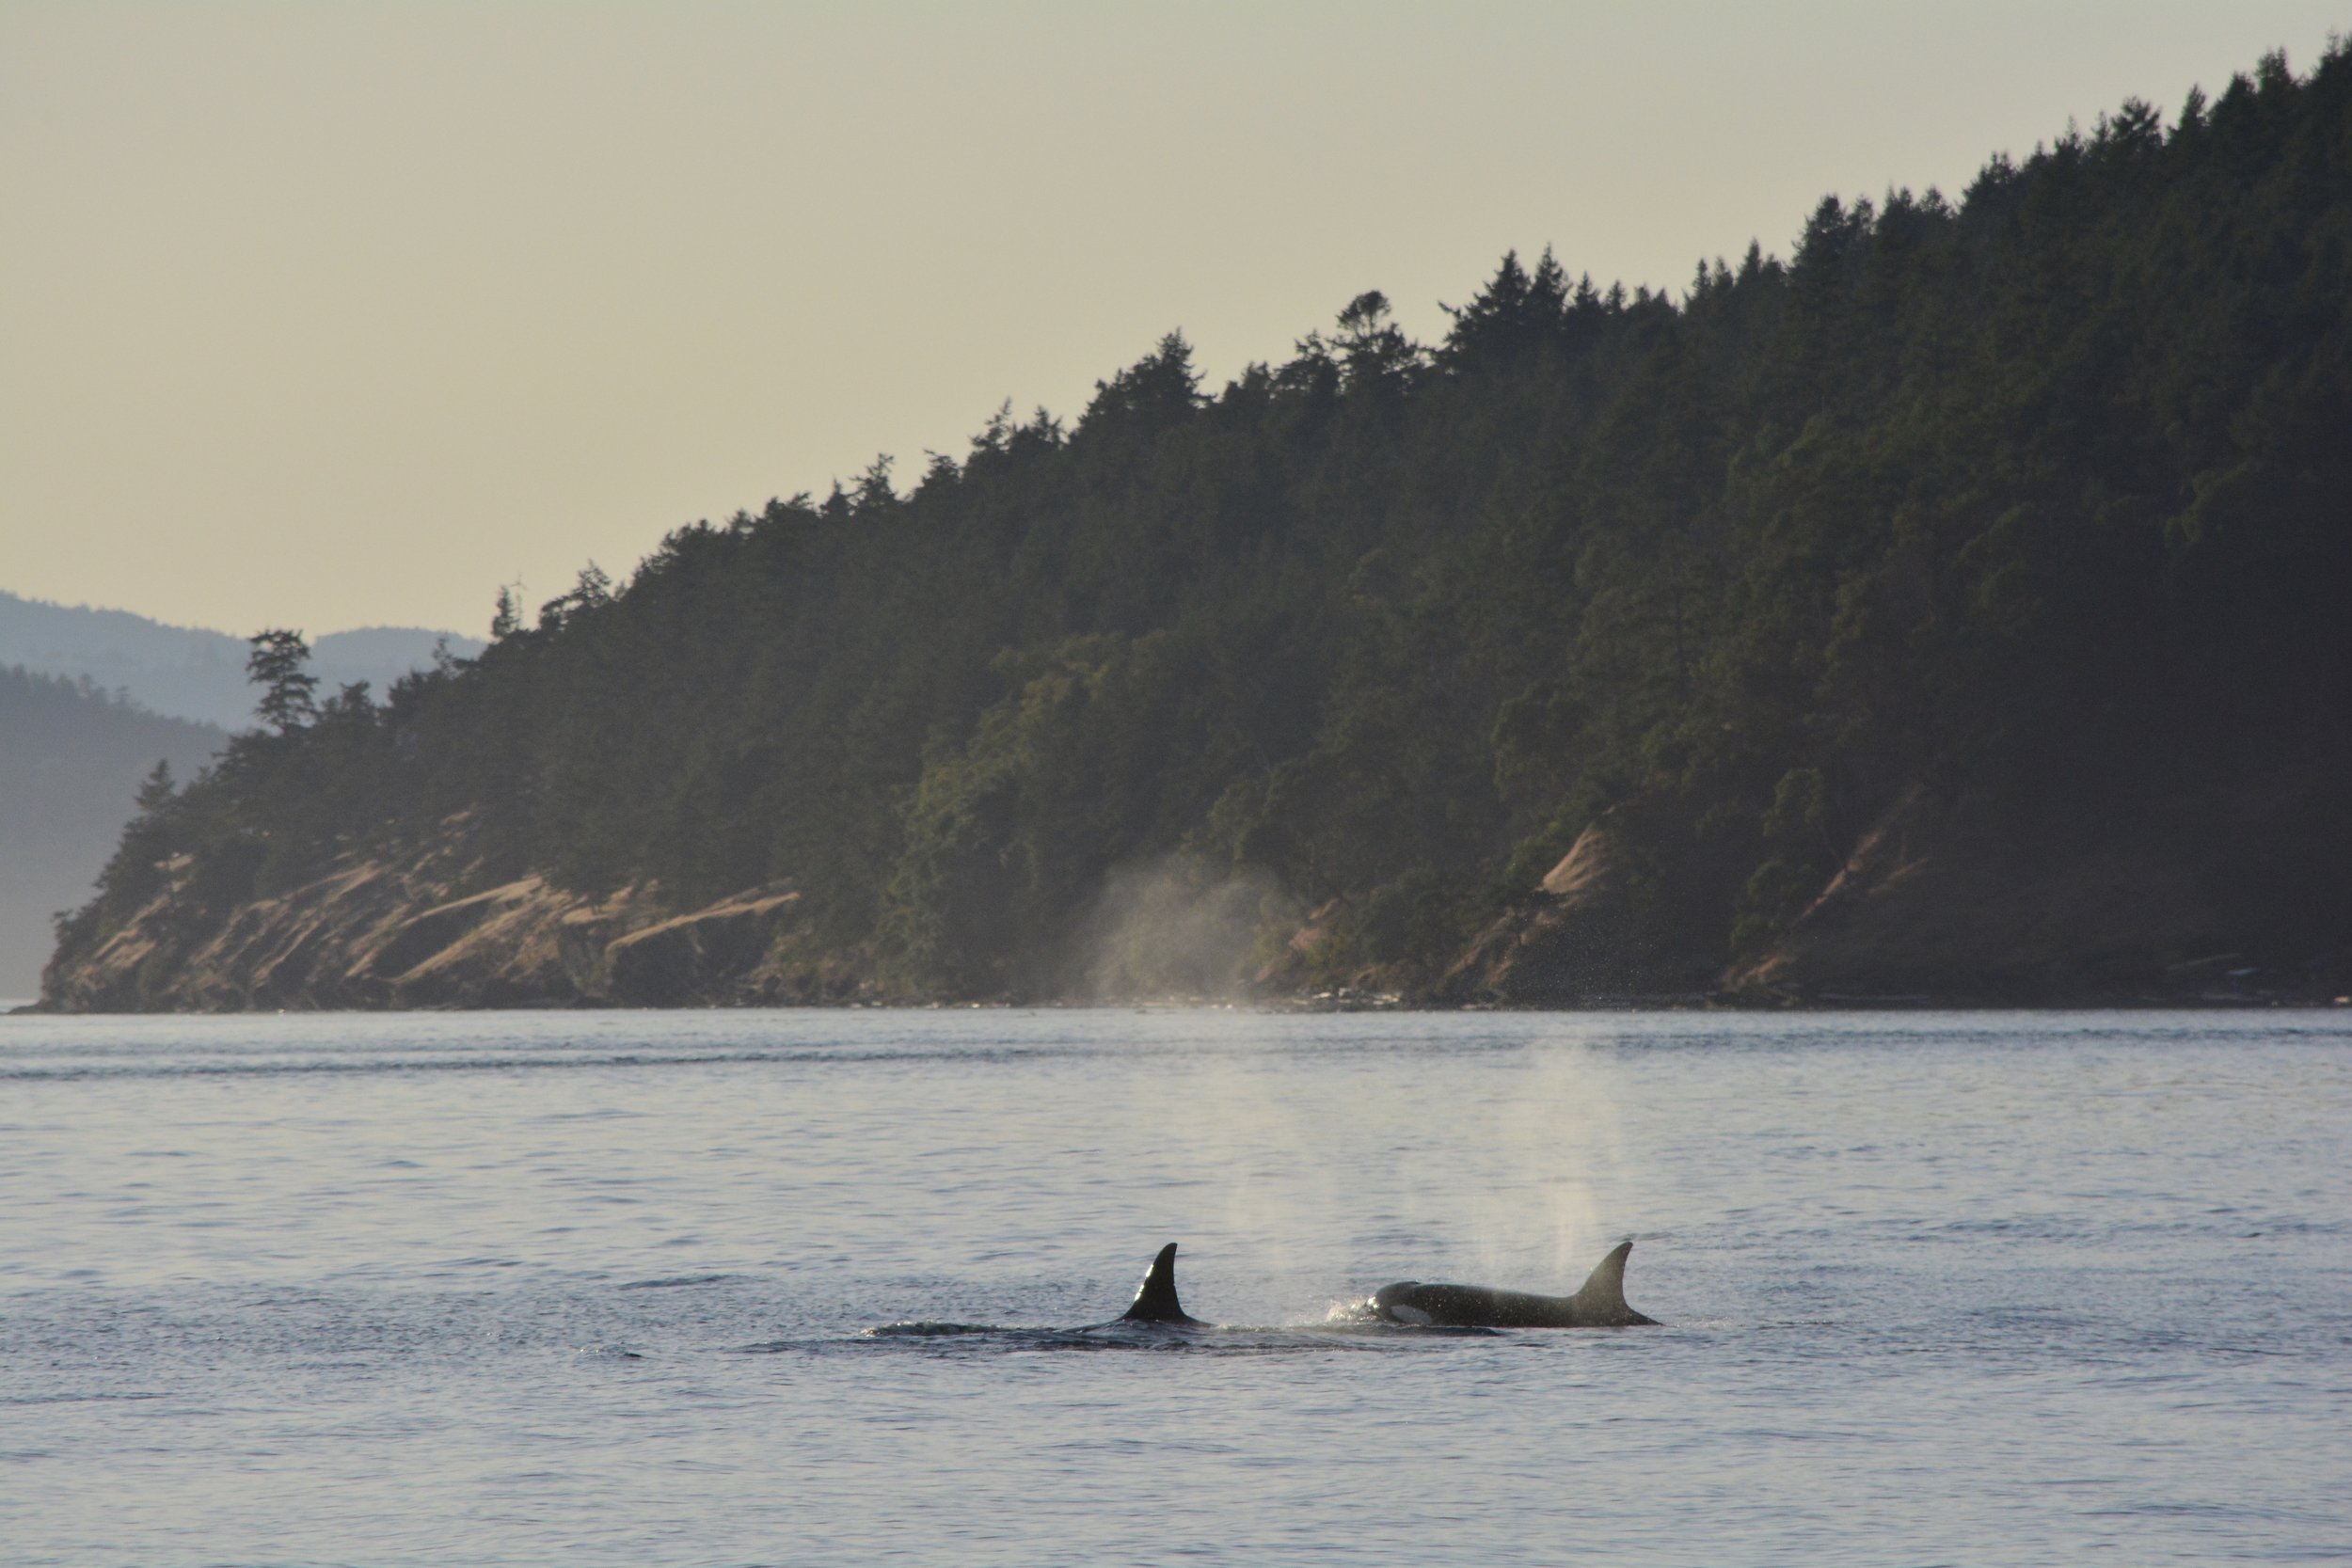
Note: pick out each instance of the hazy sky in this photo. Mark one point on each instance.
(327, 315)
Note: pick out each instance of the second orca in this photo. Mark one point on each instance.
(1600, 1304)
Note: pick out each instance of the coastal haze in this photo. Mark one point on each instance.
(194, 673)
(90, 701)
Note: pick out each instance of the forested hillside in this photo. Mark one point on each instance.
(1997, 545)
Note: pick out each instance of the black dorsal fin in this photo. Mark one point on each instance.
(1602, 1298)
(1155, 1298)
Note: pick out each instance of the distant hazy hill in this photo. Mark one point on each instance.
(71, 756)
(189, 672)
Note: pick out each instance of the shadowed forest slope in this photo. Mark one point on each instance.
(1957, 607)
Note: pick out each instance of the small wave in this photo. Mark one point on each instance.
(676, 1282)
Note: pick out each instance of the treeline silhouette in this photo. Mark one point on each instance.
(2036, 498)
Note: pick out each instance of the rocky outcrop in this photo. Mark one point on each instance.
(709, 952)
(406, 932)
(524, 944)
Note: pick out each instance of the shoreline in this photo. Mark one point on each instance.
(1284, 1005)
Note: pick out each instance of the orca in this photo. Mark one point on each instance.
(1155, 1298)
(1600, 1304)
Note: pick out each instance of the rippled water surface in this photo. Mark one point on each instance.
(597, 1288)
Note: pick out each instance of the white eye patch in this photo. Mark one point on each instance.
(1408, 1314)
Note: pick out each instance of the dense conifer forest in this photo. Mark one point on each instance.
(2035, 500)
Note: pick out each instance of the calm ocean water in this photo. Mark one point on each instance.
(593, 1288)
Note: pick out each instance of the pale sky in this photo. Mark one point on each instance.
(338, 314)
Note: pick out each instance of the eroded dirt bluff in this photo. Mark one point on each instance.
(378, 933)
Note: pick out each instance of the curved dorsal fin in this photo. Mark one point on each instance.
(1155, 1298)
(1601, 1300)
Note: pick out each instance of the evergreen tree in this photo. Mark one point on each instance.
(280, 665)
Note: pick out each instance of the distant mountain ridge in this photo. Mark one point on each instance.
(71, 757)
(190, 672)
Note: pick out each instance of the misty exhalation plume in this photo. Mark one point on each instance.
(1176, 927)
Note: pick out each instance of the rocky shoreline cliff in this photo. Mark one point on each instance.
(402, 931)
(1929, 909)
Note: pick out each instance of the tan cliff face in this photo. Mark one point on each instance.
(376, 933)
